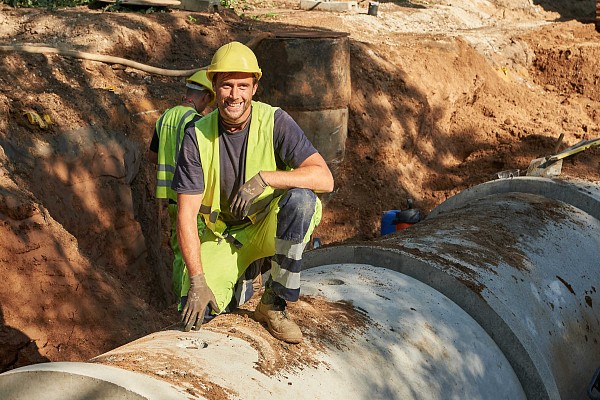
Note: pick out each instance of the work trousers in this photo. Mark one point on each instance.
(281, 235)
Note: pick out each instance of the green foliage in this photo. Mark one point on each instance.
(120, 7)
(239, 6)
(114, 8)
(259, 17)
(49, 4)
(54, 4)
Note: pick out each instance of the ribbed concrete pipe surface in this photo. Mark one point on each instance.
(490, 297)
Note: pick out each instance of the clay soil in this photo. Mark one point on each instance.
(445, 94)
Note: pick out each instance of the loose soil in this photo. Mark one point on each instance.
(445, 94)
(325, 325)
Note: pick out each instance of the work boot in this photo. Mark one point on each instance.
(277, 320)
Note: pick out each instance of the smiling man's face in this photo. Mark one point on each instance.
(234, 96)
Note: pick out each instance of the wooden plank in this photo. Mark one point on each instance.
(148, 3)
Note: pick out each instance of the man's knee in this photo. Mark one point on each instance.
(299, 201)
(296, 210)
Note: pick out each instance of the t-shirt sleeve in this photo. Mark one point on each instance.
(291, 144)
(188, 177)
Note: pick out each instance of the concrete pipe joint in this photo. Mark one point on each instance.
(489, 297)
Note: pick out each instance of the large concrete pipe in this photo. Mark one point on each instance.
(522, 257)
(373, 333)
(490, 297)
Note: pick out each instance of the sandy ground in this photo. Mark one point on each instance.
(444, 95)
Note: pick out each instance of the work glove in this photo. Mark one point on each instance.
(249, 191)
(199, 297)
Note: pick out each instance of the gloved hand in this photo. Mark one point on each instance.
(199, 297)
(249, 191)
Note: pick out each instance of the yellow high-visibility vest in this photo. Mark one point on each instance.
(170, 128)
(260, 156)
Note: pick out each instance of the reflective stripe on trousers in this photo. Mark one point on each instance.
(295, 224)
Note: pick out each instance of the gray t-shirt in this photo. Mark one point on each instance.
(291, 146)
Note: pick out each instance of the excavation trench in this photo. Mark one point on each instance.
(491, 296)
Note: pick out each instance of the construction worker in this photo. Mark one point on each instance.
(164, 148)
(250, 171)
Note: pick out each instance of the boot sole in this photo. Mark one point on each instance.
(260, 317)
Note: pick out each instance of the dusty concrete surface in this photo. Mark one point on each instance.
(444, 95)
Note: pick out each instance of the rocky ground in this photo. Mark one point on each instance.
(444, 95)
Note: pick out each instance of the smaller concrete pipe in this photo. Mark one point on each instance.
(327, 130)
(307, 74)
(305, 70)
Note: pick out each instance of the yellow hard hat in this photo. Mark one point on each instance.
(201, 79)
(234, 57)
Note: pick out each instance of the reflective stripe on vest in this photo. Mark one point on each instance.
(260, 156)
(170, 129)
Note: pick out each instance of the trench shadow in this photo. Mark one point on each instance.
(16, 348)
(405, 4)
(93, 180)
(67, 300)
(113, 119)
(583, 10)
